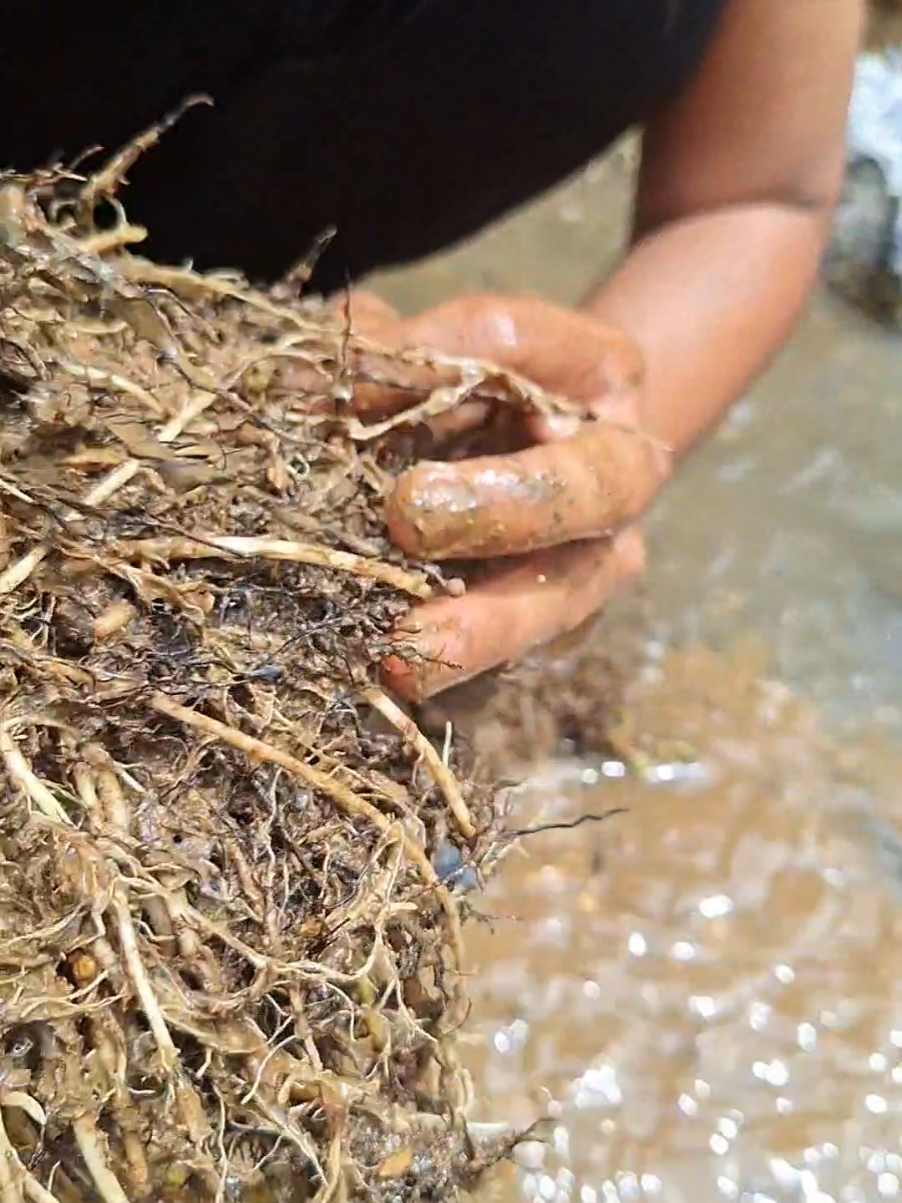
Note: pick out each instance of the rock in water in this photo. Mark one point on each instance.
(229, 968)
(864, 260)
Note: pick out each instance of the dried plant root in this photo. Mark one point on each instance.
(438, 770)
(18, 573)
(258, 750)
(112, 380)
(22, 775)
(105, 241)
(440, 401)
(206, 546)
(477, 378)
(230, 967)
(105, 183)
(90, 1142)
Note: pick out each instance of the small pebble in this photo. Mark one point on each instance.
(455, 587)
(266, 672)
(450, 868)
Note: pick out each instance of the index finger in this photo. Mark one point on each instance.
(582, 487)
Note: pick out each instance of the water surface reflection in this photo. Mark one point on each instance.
(704, 995)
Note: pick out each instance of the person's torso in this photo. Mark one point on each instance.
(404, 124)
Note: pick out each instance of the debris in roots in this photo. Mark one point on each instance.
(566, 699)
(229, 969)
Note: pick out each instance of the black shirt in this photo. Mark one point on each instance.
(405, 124)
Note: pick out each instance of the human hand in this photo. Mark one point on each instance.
(553, 525)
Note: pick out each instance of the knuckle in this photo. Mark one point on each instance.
(619, 362)
(631, 554)
(492, 315)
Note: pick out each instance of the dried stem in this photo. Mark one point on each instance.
(98, 378)
(491, 381)
(192, 285)
(439, 401)
(104, 241)
(106, 182)
(19, 572)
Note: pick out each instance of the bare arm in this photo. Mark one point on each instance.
(737, 183)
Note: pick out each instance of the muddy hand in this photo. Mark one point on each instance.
(376, 322)
(517, 608)
(559, 516)
(513, 332)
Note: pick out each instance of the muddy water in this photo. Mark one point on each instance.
(704, 996)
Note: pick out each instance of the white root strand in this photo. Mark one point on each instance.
(203, 547)
(22, 775)
(105, 1181)
(136, 971)
(16, 1181)
(11, 1170)
(438, 770)
(24, 1102)
(37, 1193)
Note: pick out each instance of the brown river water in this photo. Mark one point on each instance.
(703, 996)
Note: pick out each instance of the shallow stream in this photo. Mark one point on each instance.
(705, 995)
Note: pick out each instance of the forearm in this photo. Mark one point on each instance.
(711, 299)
